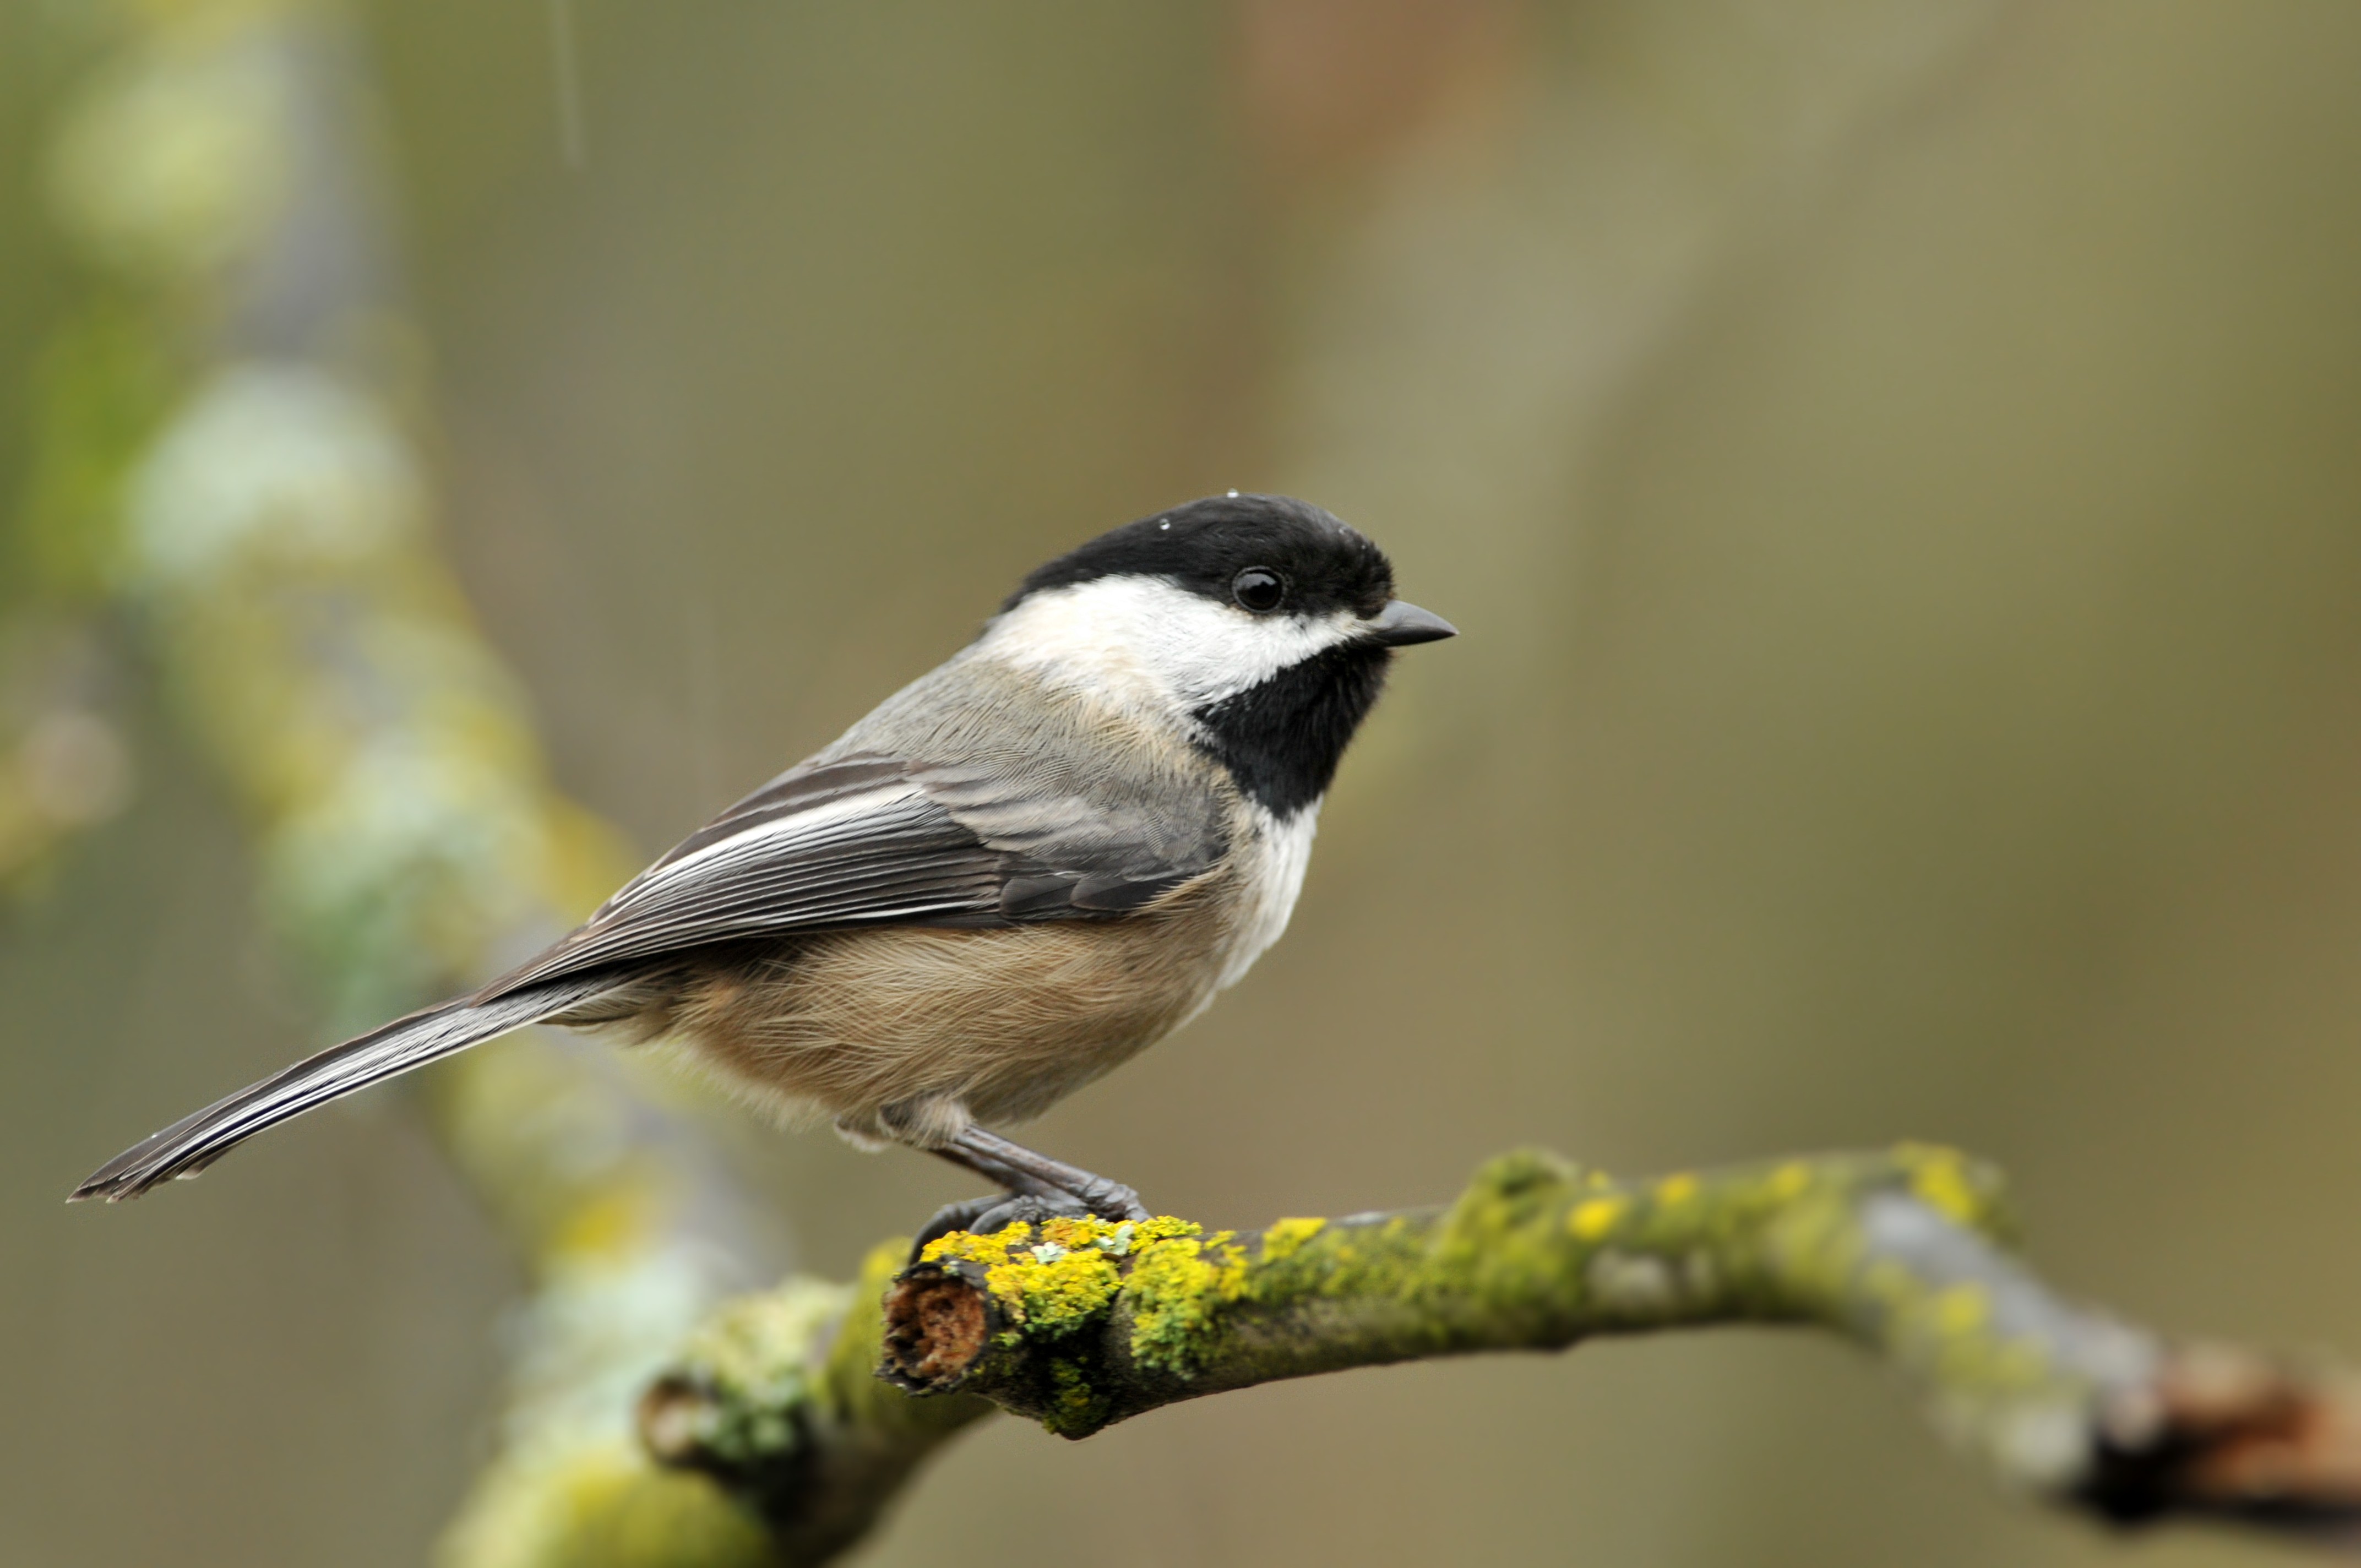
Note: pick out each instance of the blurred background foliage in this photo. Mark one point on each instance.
(1899, 468)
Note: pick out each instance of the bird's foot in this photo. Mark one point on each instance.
(1026, 1169)
(1110, 1200)
(1039, 1188)
(995, 1211)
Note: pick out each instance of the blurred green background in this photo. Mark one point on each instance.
(1899, 469)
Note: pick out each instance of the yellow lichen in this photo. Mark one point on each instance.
(965, 1246)
(1175, 1290)
(1940, 1177)
(1285, 1236)
(1061, 1295)
(1676, 1190)
(1048, 1285)
(1594, 1217)
(1788, 1183)
(611, 1223)
(1962, 1309)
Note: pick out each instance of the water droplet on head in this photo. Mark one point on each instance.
(1233, 495)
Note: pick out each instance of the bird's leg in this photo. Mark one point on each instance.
(1022, 1198)
(1035, 1189)
(1013, 1181)
(986, 1153)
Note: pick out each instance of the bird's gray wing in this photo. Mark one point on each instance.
(1082, 848)
(867, 839)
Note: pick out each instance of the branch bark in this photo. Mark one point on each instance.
(1906, 1253)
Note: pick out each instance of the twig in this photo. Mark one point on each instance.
(1086, 1323)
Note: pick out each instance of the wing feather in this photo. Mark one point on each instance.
(871, 840)
(194, 1142)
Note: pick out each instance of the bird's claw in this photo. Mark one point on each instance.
(995, 1211)
(1099, 1197)
(1112, 1200)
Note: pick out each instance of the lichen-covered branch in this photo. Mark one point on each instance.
(1082, 1323)
(235, 479)
(778, 1397)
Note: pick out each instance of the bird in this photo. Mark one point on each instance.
(1016, 873)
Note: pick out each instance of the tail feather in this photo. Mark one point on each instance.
(193, 1143)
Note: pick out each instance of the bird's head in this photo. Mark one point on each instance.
(1260, 623)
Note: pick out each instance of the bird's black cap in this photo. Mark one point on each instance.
(1204, 545)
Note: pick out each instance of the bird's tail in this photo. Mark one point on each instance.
(193, 1143)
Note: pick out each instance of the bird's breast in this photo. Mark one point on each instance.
(1269, 857)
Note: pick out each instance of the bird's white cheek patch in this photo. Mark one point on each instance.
(1144, 640)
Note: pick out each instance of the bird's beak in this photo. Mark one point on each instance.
(1401, 623)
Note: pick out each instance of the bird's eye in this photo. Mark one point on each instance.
(1259, 589)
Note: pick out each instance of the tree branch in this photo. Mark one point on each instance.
(1086, 1323)
(778, 1397)
(246, 485)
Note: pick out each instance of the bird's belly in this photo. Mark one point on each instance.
(1000, 1022)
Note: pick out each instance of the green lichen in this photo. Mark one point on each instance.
(752, 1367)
(1500, 1255)
(1176, 1292)
(1076, 1407)
(1303, 1264)
(599, 1505)
(1101, 1320)
(1676, 1190)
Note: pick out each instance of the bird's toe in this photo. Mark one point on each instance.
(996, 1211)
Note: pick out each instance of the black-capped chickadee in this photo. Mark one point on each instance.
(1019, 870)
